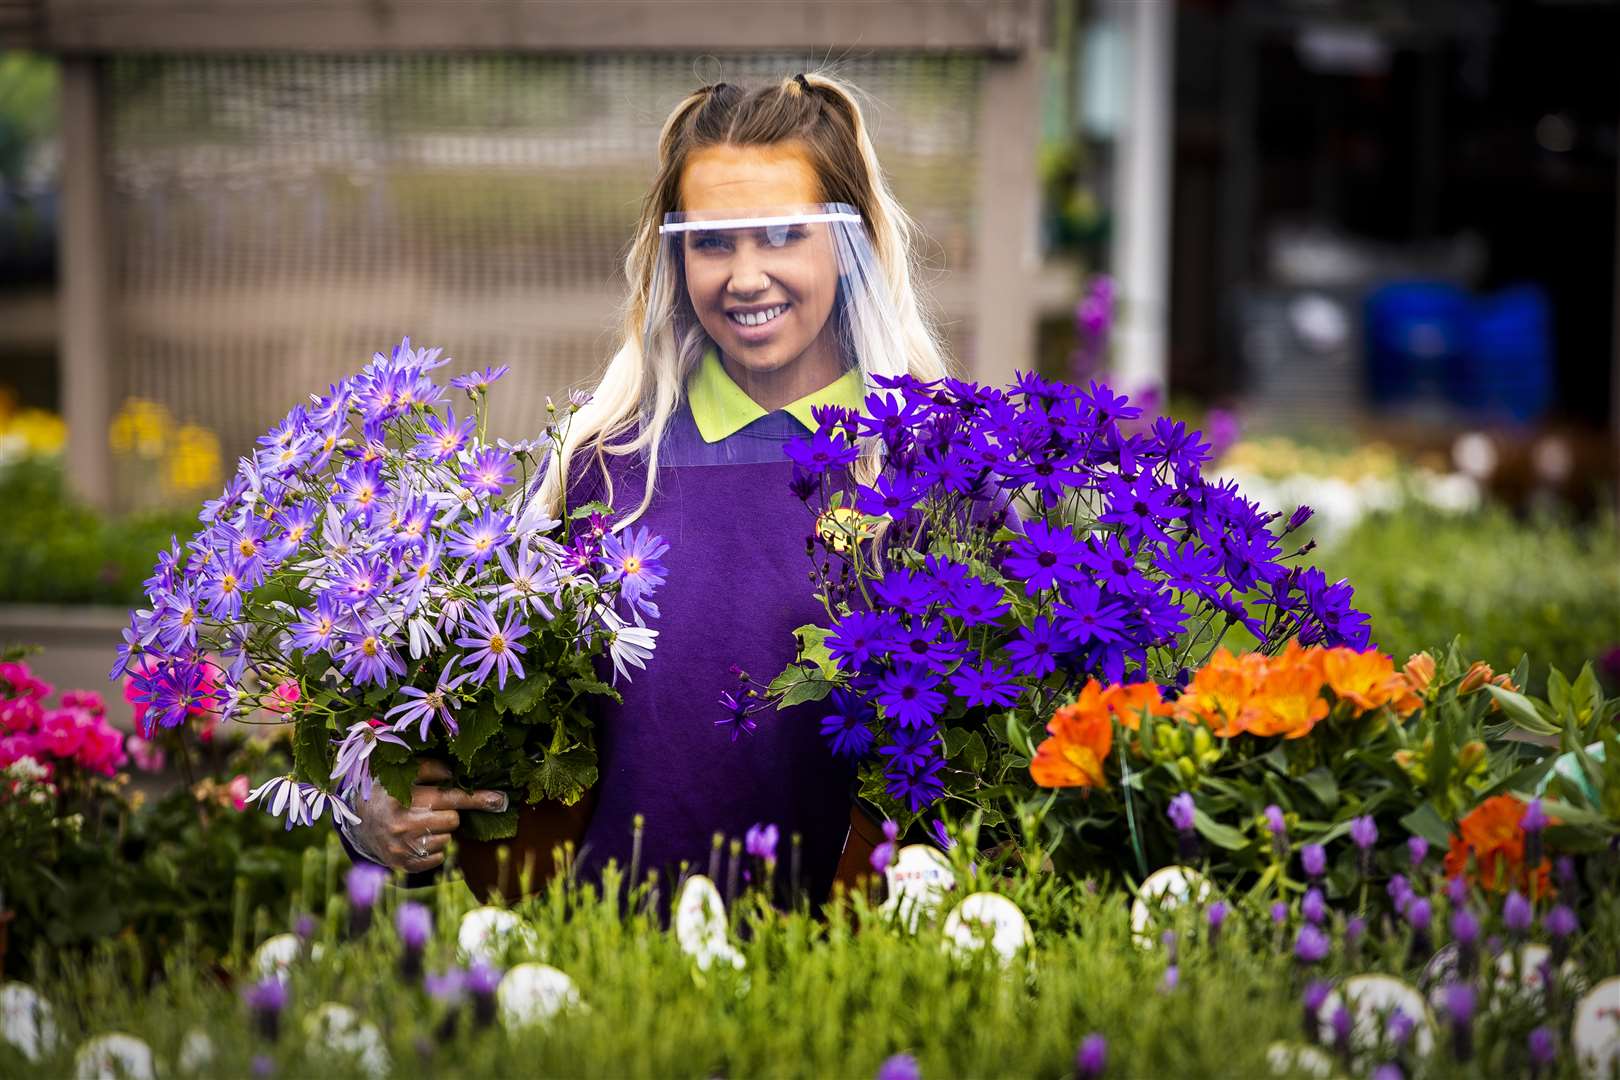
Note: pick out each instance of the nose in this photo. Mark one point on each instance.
(748, 277)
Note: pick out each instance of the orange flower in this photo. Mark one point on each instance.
(1082, 734)
(1419, 672)
(1365, 679)
(1491, 834)
(1126, 702)
(1478, 674)
(1289, 703)
(1220, 691)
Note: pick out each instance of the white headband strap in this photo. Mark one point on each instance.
(756, 223)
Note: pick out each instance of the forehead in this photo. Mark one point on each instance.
(749, 177)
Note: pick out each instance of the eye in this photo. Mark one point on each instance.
(710, 242)
(782, 235)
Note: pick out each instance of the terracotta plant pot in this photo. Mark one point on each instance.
(542, 827)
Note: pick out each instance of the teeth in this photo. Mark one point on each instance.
(759, 318)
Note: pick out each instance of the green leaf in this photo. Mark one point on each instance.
(312, 749)
(585, 511)
(521, 697)
(563, 775)
(1426, 822)
(396, 777)
(813, 646)
(1521, 711)
(1222, 836)
(1323, 787)
(806, 690)
(484, 825)
(477, 725)
(1558, 693)
(590, 684)
(974, 754)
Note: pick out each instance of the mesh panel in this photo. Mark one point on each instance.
(281, 218)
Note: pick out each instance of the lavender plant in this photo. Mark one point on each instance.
(1015, 543)
(382, 578)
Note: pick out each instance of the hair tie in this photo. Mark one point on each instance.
(804, 83)
(717, 87)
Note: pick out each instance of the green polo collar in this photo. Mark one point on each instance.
(721, 408)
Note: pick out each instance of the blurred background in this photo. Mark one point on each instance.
(1368, 246)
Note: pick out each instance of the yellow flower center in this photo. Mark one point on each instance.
(369, 646)
(632, 565)
(497, 644)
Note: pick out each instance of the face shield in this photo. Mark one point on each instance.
(765, 289)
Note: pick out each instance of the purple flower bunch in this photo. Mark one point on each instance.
(381, 575)
(1014, 543)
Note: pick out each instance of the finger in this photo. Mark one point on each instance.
(456, 799)
(432, 771)
(417, 822)
(416, 865)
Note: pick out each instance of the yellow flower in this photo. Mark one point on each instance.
(141, 427)
(194, 462)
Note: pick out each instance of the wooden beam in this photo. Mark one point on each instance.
(534, 26)
(85, 259)
(1007, 247)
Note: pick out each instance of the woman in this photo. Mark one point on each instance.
(770, 274)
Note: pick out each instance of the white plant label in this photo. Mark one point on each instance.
(1595, 1035)
(114, 1056)
(1372, 1000)
(1164, 890)
(989, 916)
(534, 993)
(919, 877)
(700, 924)
(26, 1021)
(486, 933)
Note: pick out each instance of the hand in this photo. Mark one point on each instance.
(413, 838)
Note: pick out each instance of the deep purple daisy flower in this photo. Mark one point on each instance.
(633, 561)
(1043, 556)
(846, 727)
(862, 636)
(1035, 650)
(988, 685)
(908, 696)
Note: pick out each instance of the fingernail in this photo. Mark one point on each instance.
(497, 802)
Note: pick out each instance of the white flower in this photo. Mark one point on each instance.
(626, 643)
(114, 1055)
(25, 1020)
(278, 794)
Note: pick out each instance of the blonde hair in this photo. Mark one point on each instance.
(639, 393)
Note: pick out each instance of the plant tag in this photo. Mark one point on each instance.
(990, 917)
(700, 924)
(1372, 999)
(1595, 1034)
(114, 1055)
(534, 993)
(339, 1028)
(26, 1021)
(919, 877)
(487, 933)
(1164, 890)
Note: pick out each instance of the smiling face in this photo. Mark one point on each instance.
(764, 295)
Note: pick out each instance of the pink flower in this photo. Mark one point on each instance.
(88, 700)
(238, 790)
(102, 750)
(283, 698)
(20, 714)
(62, 732)
(148, 755)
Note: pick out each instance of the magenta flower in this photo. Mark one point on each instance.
(1313, 858)
(1091, 1058)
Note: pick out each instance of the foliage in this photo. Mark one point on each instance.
(1413, 755)
(1512, 588)
(55, 550)
(1163, 1009)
